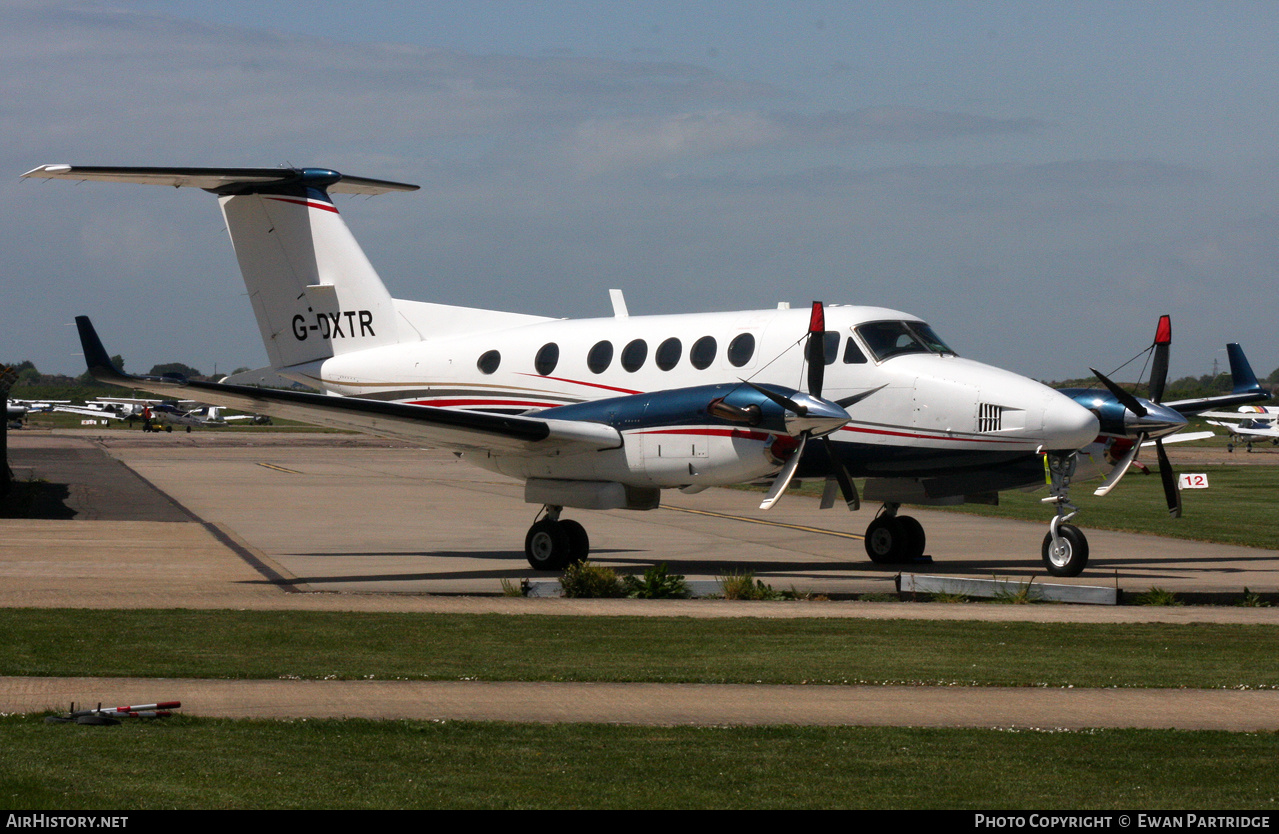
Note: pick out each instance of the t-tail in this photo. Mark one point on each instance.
(314, 293)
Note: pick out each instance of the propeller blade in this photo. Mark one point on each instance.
(1171, 491)
(846, 485)
(1126, 399)
(785, 402)
(1159, 368)
(816, 349)
(1120, 468)
(856, 398)
(784, 477)
(828, 493)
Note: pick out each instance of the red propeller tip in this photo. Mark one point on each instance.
(817, 322)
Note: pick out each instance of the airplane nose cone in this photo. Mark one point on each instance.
(1068, 425)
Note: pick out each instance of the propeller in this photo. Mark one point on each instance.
(1150, 420)
(815, 352)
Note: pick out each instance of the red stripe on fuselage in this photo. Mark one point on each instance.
(589, 384)
(925, 436)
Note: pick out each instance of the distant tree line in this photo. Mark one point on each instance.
(33, 385)
(1186, 388)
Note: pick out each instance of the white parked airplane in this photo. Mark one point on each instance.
(606, 413)
(1252, 424)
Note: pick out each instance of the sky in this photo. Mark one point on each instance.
(1039, 181)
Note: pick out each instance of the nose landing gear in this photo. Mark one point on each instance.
(1065, 549)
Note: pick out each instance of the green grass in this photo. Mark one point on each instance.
(204, 763)
(1237, 508)
(186, 762)
(273, 644)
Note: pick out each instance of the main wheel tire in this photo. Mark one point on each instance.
(547, 545)
(916, 539)
(579, 543)
(885, 540)
(1071, 557)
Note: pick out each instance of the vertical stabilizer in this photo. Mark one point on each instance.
(313, 291)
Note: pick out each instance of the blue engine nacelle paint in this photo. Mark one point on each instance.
(680, 407)
(1117, 421)
(1110, 412)
(673, 439)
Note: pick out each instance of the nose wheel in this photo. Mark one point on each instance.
(554, 544)
(1065, 554)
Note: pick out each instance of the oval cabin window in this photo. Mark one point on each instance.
(634, 354)
(741, 349)
(600, 357)
(668, 354)
(547, 358)
(703, 352)
(488, 362)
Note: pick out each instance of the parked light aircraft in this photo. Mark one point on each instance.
(606, 413)
(1251, 424)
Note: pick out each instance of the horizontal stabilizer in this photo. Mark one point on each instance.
(222, 180)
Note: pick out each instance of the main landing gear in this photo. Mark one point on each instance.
(554, 544)
(893, 538)
(1065, 549)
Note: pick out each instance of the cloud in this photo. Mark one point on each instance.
(900, 125)
(604, 143)
(144, 81)
(600, 144)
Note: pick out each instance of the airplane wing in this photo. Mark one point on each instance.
(1183, 437)
(428, 425)
(88, 412)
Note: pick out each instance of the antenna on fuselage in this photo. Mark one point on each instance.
(619, 304)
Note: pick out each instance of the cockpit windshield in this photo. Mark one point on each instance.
(887, 339)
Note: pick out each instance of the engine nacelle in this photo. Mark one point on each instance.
(711, 435)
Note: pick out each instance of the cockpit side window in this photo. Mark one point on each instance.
(830, 347)
(887, 339)
(853, 354)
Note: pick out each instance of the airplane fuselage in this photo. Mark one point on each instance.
(925, 409)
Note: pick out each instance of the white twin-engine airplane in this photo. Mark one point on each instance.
(606, 413)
